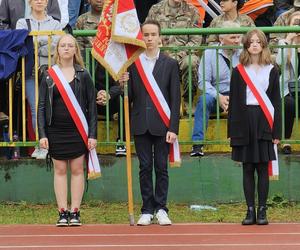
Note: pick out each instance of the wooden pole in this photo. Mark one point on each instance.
(128, 156)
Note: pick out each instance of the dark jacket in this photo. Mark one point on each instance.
(12, 10)
(144, 115)
(84, 93)
(238, 126)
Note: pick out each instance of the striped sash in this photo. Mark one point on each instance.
(78, 117)
(161, 105)
(268, 111)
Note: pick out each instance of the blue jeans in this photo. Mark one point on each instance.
(30, 95)
(73, 7)
(211, 103)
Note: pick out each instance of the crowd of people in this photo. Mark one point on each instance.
(233, 80)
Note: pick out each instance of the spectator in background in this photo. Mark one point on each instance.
(12, 10)
(290, 72)
(282, 6)
(143, 7)
(63, 6)
(179, 14)
(38, 20)
(74, 8)
(283, 20)
(77, 8)
(230, 9)
(208, 68)
(89, 21)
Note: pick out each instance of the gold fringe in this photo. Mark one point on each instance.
(176, 164)
(116, 76)
(274, 178)
(93, 175)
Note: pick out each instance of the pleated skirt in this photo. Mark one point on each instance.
(257, 150)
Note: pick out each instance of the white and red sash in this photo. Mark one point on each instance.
(78, 117)
(161, 105)
(268, 110)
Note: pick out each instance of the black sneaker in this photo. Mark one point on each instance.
(75, 218)
(63, 220)
(120, 150)
(197, 150)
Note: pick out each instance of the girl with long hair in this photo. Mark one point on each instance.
(254, 100)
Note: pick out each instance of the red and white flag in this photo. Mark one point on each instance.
(118, 42)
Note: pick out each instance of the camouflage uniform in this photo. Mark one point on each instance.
(242, 20)
(282, 20)
(184, 16)
(87, 21)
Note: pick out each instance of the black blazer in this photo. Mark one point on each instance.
(238, 127)
(144, 115)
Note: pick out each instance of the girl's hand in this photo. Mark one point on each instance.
(92, 143)
(44, 143)
(290, 37)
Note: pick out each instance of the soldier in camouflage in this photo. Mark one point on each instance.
(282, 20)
(230, 9)
(89, 21)
(179, 14)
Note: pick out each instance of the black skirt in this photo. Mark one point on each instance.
(257, 150)
(65, 142)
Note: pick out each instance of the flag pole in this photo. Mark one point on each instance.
(128, 156)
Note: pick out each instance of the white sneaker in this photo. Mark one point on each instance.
(145, 220)
(35, 152)
(163, 218)
(42, 154)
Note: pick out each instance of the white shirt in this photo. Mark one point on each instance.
(151, 61)
(64, 13)
(27, 10)
(260, 78)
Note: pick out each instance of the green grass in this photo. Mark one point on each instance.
(95, 212)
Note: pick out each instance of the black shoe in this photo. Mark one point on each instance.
(287, 149)
(63, 220)
(75, 218)
(250, 218)
(262, 216)
(120, 150)
(197, 150)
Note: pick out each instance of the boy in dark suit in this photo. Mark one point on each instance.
(151, 136)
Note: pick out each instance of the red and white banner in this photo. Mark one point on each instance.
(160, 103)
(78, 117)
(268, 110)
(119, 40)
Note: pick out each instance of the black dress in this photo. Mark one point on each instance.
(65, 142)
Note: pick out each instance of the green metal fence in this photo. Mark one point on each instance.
(218, 138)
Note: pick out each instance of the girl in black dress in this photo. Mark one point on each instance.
(59, 133)
(253, 134)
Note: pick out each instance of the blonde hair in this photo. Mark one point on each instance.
(77, 57)
(265, 55)
(289, 50)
